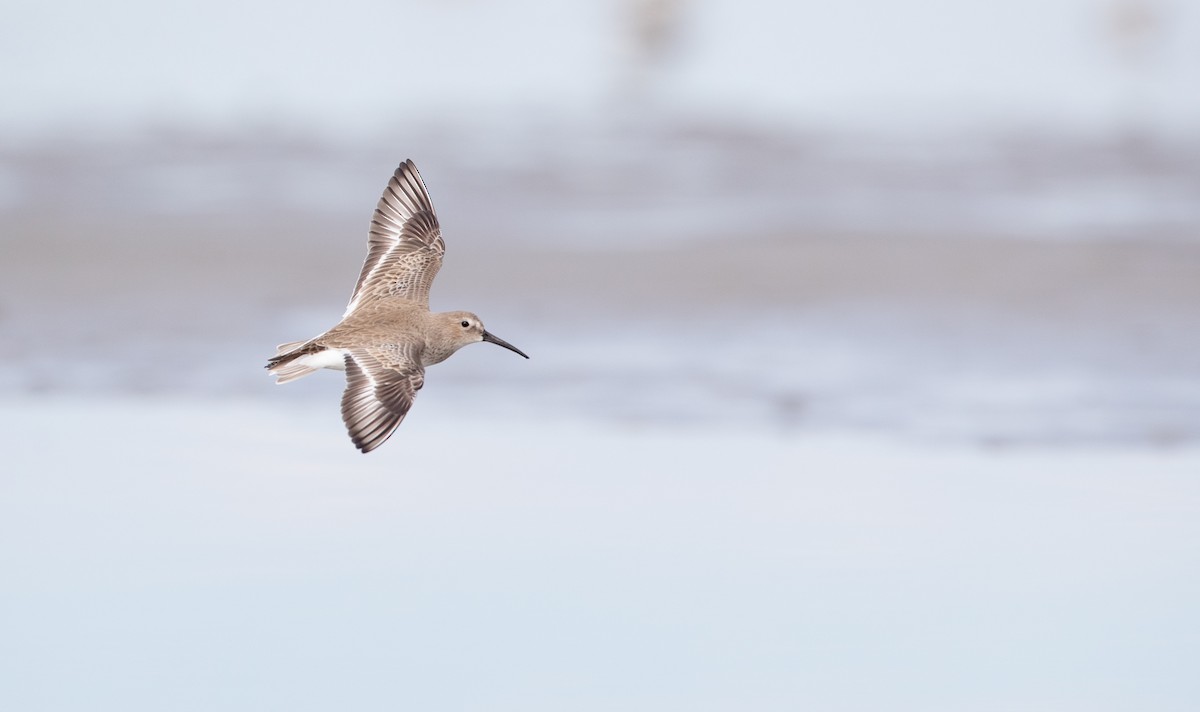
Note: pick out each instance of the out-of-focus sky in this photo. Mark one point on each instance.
(360, 65)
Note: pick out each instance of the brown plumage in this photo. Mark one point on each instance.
(388, 336)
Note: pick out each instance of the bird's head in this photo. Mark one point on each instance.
(465, 328)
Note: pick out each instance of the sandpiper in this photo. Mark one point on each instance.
(388, 336)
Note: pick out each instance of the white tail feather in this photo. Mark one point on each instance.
(305, 363)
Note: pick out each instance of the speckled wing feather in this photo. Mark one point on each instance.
(405, 247)
(380, 388)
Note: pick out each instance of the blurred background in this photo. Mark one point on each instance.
(866, 356)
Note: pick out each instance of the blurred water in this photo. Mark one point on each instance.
(851, 284)
(192, 554)
(637, 184)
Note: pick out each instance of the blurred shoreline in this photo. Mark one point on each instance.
(1001, 341)
(659, 273)
(54, 261)
(638, 180)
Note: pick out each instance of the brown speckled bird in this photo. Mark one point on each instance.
(388, 336)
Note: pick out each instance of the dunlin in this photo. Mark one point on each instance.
(388, 336)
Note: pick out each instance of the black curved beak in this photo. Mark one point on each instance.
(501, 342)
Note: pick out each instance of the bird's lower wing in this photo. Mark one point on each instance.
(380, 388)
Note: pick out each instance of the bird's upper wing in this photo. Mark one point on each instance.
(405, 248)
(381, 384)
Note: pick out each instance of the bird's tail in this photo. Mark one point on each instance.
(284, 366)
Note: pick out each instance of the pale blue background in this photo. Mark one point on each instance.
(856, 502)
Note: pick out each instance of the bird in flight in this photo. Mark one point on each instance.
(388, 336)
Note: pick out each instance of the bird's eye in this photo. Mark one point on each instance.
(465, 323)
